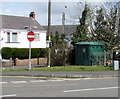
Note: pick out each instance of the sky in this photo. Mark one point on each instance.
(23, 8)
(41, 10)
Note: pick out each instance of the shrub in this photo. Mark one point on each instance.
(35, 52)
(23, 53)
(6, 53)
(43, 52)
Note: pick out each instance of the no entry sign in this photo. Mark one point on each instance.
(30, 36)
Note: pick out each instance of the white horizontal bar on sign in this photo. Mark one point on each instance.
(31, 36)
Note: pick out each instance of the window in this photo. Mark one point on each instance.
(14, 37)
(37, 37)
(8, 36)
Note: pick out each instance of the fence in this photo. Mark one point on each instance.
(102, 58)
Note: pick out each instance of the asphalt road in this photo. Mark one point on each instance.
(43, 87)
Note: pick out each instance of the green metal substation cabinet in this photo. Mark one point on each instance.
(89, 53)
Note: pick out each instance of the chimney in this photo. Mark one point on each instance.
(32, 15)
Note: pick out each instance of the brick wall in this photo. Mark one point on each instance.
(6, 64)
(24, 62)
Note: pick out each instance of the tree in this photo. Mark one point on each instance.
(81, 29)
(55, 39)
(104, 28)
(58, 50)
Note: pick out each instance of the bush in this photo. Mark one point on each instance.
(71, 57)
(58, 59)
(35, 52)
(44, 52)
(39, 52)
(6, 53)
(23, 53)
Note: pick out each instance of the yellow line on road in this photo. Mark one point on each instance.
(60, 78)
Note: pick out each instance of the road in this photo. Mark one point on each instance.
(21, 86)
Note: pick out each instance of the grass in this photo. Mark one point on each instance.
(67, 68)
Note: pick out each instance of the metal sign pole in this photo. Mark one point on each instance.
(29, 55)
(30, 52)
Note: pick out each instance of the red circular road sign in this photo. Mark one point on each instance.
(30, 36)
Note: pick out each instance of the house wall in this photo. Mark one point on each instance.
(22, 41)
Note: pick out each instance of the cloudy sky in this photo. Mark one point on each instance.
(41, 9)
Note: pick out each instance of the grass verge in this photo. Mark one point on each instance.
(67, 68)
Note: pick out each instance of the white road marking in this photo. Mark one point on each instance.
(50, 80)
(90, 89)
(72, 79)
(37, 81)
(55, 80)
(3, 82)
(13, 95)
(16, 82)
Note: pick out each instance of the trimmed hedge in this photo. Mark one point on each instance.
(23, 53)
(6, 53)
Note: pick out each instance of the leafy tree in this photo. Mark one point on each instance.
(104, 28)
(81, 29)
(58, 55)
(55, 39)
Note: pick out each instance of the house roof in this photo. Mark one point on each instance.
(18, 22)
(69, 29)
(88, 43)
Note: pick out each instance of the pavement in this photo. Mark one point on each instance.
(51, 74)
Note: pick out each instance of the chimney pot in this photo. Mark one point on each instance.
(32, 15)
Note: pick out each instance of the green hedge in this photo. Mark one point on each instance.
(23, 53)
(6, 53)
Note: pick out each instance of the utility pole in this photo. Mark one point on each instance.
(118, 18)
(49, 36)
(63, 23)
(0, 51)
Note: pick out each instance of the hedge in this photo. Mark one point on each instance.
(6, 53)
(23, 53)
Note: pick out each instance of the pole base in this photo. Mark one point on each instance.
(29, 66)
(48, 66)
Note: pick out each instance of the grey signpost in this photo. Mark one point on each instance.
(31, 37)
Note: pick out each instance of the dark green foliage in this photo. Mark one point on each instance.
(6, 53)
(58, 55)
(62, 37)
(81, 30)
(43, 52)
(35, 52)
(105, 28)
(23, 53)
(55, 39)
(70, 57)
